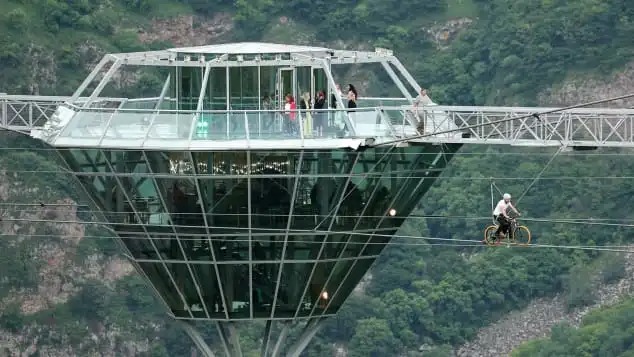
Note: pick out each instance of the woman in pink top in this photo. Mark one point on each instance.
(291, 111)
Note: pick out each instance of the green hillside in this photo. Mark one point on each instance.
(419, 293)
(604, 332)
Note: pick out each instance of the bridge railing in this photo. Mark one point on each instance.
(95, 126)
(25, 112)
(519, 125)
(515, 125)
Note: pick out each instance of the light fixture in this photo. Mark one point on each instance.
(324, 295)
(392, 212)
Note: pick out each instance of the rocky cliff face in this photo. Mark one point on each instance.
(55, 265)
(537, 319)
(586, 88)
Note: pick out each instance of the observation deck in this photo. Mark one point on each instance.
(235, 207)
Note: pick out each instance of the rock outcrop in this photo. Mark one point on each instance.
(537, 319)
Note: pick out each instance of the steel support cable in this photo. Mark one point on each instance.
(539, 175)
(445, 242)
(585, 221)
(474, 126)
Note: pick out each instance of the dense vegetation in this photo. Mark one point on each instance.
(421, 293)
(438, 295)
(604, 332)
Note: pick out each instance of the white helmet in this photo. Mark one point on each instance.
(507, 196)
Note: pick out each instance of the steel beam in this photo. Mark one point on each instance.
(198, 340)
(309, 332)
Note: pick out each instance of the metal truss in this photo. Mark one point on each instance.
(450, 124)
(26, 112)
(583, 127)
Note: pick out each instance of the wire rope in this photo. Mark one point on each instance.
(445, 242)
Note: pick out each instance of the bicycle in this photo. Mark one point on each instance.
(517, 234)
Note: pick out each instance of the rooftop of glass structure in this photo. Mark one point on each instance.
(235, 96)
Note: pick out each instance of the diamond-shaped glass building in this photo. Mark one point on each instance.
(233, 195)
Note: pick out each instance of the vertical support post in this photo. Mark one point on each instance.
(309, 332)
(249, 222)
(198, 340)
(227, 88)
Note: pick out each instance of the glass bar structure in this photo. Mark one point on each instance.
(233, 206)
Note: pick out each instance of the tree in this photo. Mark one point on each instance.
(373, 338)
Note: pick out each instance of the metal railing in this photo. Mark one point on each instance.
(97, 126)
(111, 119)
(526, 126)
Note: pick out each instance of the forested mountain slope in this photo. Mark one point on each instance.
(467, 52)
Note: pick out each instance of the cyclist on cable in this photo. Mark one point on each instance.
(500, 215)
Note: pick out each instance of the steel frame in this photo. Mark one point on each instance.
(483, 125)
(526, 126)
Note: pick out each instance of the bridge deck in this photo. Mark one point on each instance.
(441, 124)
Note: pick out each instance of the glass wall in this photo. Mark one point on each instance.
(241, 235)
(249, 87)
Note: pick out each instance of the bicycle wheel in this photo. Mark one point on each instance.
(522, 235)
(489, 233)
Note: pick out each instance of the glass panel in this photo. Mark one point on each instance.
(292, 286)
(144, 196)
(87, 124)
(271, 194)
(216, 94)
(244, 88)
(347, 286)
(188, 286)
(129, 125)
(355, 245)
(226, 204)
(383, 175)
(163, 284)
(316, 295)
(206, 277)
(171, 126)
(235, 283)
(266, 125)
(368, 122)
(378, 242)
(190, 87)
(267, 88)
(336, 277)
(264, 283)
(284, 86)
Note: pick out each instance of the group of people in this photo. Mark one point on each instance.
(314, 109)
